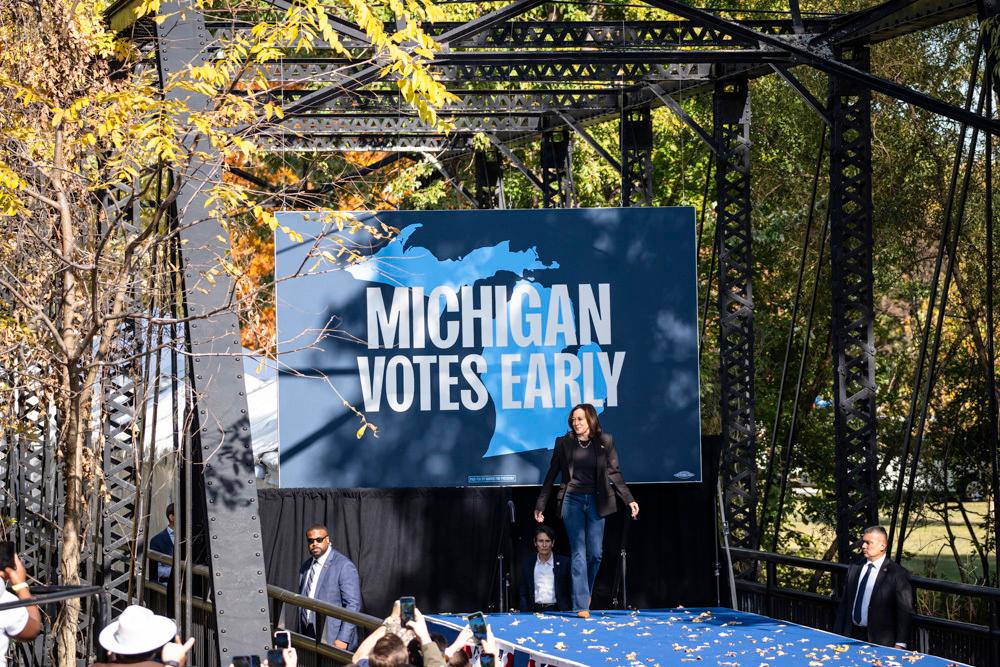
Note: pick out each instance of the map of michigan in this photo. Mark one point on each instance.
(533, 425)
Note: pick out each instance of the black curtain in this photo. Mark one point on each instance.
(442, 546)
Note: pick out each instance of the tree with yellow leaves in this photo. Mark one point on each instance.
(93, 146)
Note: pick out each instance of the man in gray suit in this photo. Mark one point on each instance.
(331, 577)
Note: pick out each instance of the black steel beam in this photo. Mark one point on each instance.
(918, 15)
(555, 159)
(853, 319)
(613, 57)
(369, 73)
(488, 169)
(854, 24)
(233, 533)
(832, 66)
(303, 71)
(528, 34)
(685, 118)
(498, 17)
(341, 26)
(738, 469)
(636, 142)
(593, 143)
(802, 92)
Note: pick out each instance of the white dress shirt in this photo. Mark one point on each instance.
(12, 622)
(545, 580)
(316, 567)
(869, 586)
(314, 570)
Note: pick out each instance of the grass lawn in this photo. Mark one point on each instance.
(926, 549)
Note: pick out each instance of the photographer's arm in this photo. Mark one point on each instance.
(366, 646)
(18, 578)
(431, 652)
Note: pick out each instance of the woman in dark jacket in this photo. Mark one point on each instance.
(586, 460)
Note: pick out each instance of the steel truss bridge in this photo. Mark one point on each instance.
(535, 85)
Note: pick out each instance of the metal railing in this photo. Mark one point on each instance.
(971, 643)
(312, 653)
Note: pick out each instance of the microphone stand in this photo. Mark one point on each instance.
(503, 577)
(621, 580)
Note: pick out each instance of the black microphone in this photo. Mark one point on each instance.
(510, 506)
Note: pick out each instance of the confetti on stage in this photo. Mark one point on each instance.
(656, 638)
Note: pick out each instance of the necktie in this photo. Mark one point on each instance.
(307, 614)
(860, 598)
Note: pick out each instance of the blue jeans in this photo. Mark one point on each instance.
(585, 528)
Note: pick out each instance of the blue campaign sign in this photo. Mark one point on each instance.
(468, 336)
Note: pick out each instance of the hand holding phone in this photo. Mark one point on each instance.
(246, 661)
(6, 554)
(406, 606)
(484, 639)
(282, 639)
(477, 623)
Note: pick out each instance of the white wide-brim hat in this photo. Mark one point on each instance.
(137, 630)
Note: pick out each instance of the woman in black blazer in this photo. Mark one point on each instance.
(586, 460)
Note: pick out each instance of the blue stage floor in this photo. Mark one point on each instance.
(717, 637)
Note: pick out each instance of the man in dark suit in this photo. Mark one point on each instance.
(545, 579)
(163, 542)
(877, 604)
(330, 576)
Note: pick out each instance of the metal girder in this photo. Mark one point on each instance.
(614, 34)
(527, 34)
(916, 15)
(616, 57)
(118, 570)
(853, 307)
(315, 124)
(222, 437)
(345, 29)
(475, 101)
(637, 157)
(685, 118)
(306, 143)
(731, 106)
(593, 143)
(854, 24)
(489, 179)
(451, 180)
(312, 71)
(556, 163)
(368, 73)
(821, 60)
(33, 489)
(485, 22)
(516, 162)
(802, 92)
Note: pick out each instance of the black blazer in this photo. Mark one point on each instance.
(609, 477)
(890, 609)
(526, 584)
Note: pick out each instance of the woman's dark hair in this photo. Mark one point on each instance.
(389, 651)
(542, 528)
(592, 421)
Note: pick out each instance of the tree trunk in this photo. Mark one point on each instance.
(69, 563)
(76, 418)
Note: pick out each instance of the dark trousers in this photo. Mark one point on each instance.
(859, 632)
(308, 629)
(545, 607)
